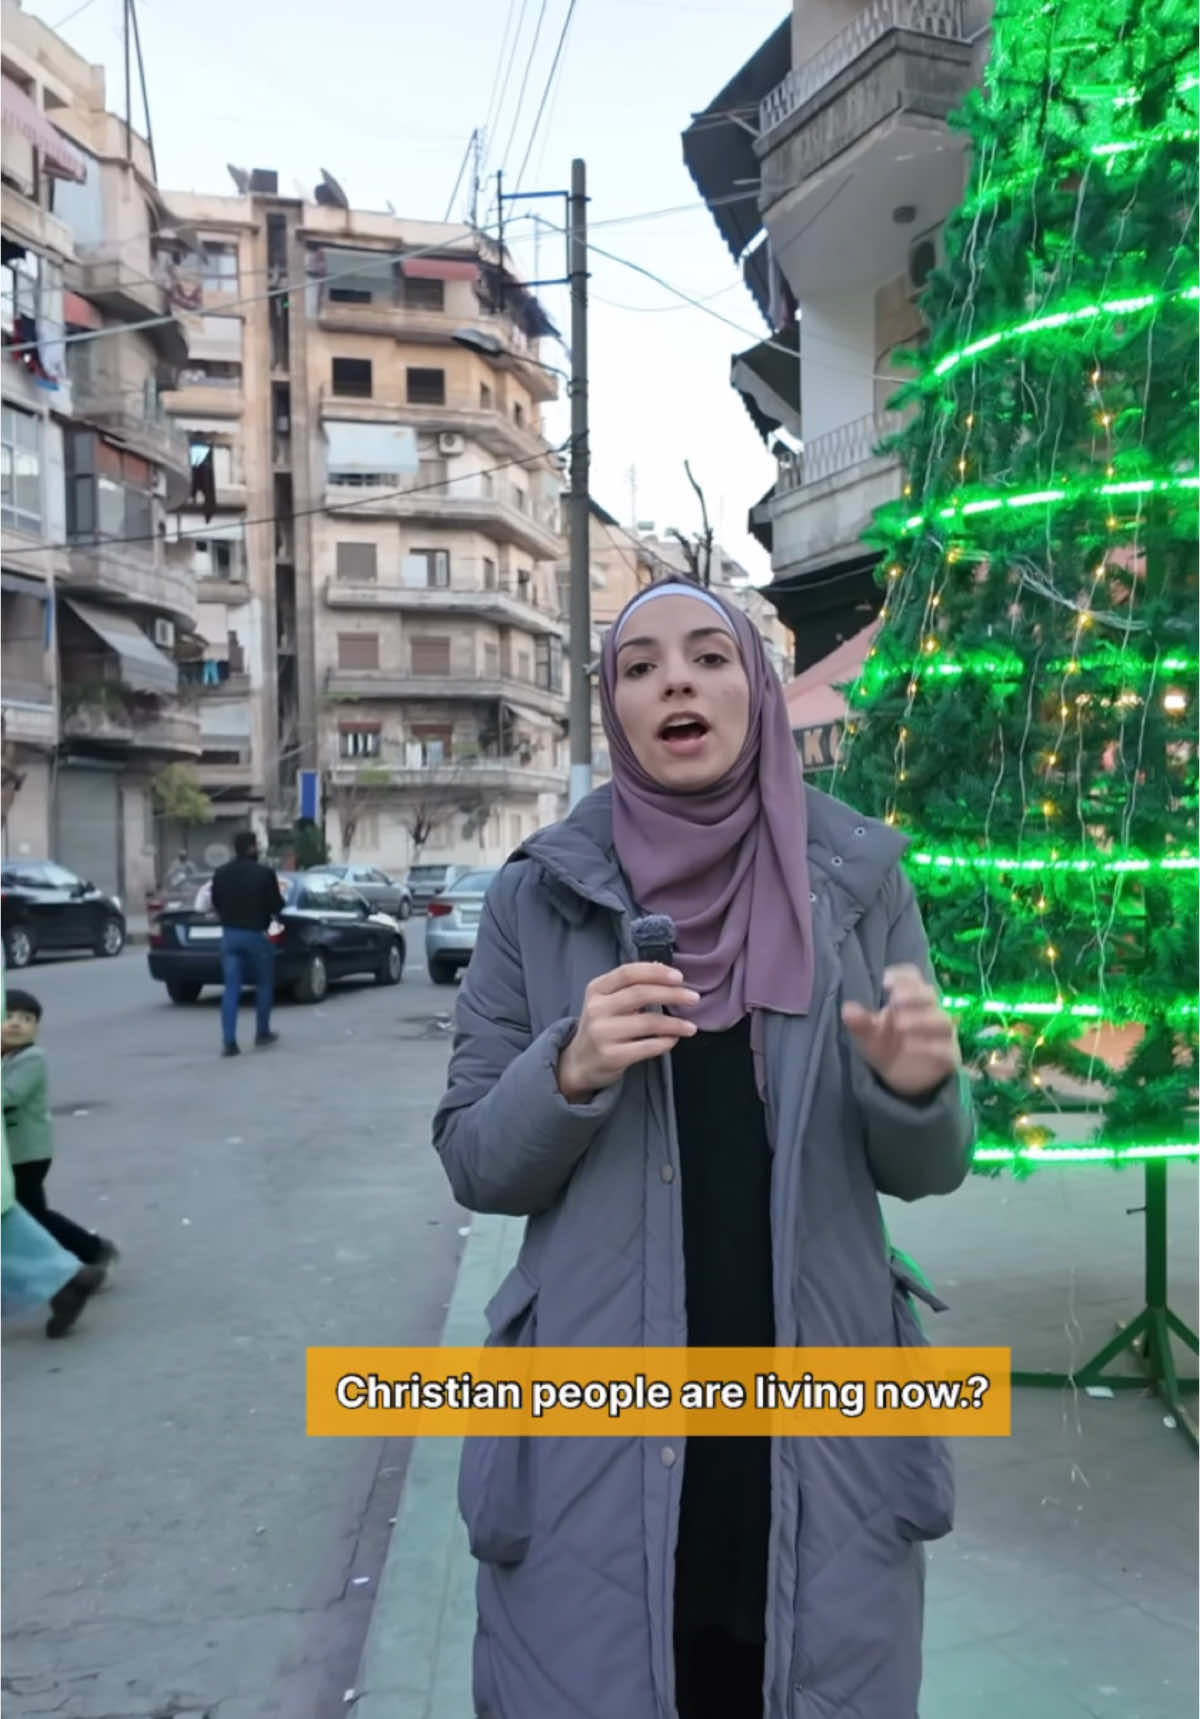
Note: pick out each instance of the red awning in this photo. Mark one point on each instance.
(812, 698)
(24, 115)
(78, 313)
(439, 269)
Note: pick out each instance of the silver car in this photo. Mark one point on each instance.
(452, 925)
(426, 881)
(384, 893)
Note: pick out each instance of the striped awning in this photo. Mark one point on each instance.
(23, 114)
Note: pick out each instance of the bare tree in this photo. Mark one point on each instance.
(698, 549)
(429, 809)
(13, 778)
(351, 796)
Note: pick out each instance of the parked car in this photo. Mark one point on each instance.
(425, 881)
(453, 923)
(46, 907)
(382, 891)
(325, 932)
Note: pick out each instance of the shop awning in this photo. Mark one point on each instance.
(25, 586)
(523, 713)
(144, 668)
(24, 115)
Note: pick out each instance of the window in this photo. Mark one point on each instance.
(431, 655)
(20, 471)
(426, 387)
(358, 650)
(485, 396)
(549, 664)
(18, 286)
(213, 373)
(491, 659)
(524, 666)
(352, 376)
(427, 569)
(424, 295)
(220, 555)
(110, 492)
(489, 573)
(357, 563)
(359, 740)
(431, 744)
(350, 295)
(219, 267)
(520, 499)
(518, 413)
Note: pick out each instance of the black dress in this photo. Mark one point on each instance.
(725, 1513)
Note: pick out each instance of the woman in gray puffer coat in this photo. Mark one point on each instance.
(699, 1151)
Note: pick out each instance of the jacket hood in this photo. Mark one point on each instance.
(849, 855)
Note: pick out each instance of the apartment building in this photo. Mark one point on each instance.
(829, 168)
(95, 620)
(374, 529)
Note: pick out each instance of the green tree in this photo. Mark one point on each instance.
(1028, 715)
(179, 798)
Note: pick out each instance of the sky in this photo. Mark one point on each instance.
(385, 95)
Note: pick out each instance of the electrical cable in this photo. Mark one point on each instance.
(516, 118)
(508, 72)
(489, 115)
(206, 530)
(462, 169)
(537, 120)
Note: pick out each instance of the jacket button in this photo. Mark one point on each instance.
(667, 1172)
(668, 1456)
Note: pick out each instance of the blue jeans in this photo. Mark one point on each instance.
(246, 957)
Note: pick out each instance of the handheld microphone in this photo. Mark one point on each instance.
(654, 938)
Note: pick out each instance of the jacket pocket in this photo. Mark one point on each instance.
(923, 1467)
(494, 1492)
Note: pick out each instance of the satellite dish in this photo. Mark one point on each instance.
(240, 178)
(329, 193)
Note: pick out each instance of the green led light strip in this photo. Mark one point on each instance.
(1182, 1009)
(1051, 498)
(1058, 319)
(875, 673)
(1029, 1156)
(1052, 862)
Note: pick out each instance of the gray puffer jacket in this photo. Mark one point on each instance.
(575, 1537)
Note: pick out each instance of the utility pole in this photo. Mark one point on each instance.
(580, 708)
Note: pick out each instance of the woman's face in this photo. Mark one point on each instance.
(681, 695)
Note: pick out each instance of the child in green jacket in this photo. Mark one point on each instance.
(30, 1132)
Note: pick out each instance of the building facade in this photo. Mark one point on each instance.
(840, 121)
(96, 621)
(374, 530)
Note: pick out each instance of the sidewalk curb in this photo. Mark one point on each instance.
(416, 1660)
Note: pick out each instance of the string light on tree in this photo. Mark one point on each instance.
(1040, 569)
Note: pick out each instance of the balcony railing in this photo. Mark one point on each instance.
(941, 18)
(839, 450)
(500, 604)
(155, 436)
(492, 775)
(459, 685)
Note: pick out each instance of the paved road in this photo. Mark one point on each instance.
(173, 1543)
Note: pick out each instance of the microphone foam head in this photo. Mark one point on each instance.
(654, 936)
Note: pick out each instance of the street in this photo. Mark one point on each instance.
(174, 1544)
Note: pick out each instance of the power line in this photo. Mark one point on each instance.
(206, 530)
(508, 71)
(516, 119)
(462, 169)
(495, 90)
(546, 91)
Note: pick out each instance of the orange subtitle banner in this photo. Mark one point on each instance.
(648, 1393)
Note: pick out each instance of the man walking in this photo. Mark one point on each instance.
(246, 898)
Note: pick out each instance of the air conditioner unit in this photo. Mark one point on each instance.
(164, 634)
(925, 254)
(450, 443)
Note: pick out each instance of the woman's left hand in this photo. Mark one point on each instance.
(911, 1042)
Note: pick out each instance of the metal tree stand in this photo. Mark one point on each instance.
(1149, 1335)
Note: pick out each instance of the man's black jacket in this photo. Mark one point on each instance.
(245, 895)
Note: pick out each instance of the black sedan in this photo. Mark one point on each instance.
(322, 934)
(45, 907)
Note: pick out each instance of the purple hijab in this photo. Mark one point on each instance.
(728, 863)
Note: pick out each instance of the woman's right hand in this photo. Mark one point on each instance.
(615, 1029)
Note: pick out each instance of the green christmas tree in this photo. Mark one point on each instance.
(1028, 714)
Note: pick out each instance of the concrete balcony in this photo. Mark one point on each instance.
(171, 731)
(36, 227)
(825, 498)
(489, 426)
(204, 400)
(499, 606)
(126, 573)
(483, 775)
(30, 711)
(127, 292)
(155, 438)
(436, 328)
(223, 778)
(859, 130)
(354, 684)
(490, 515)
